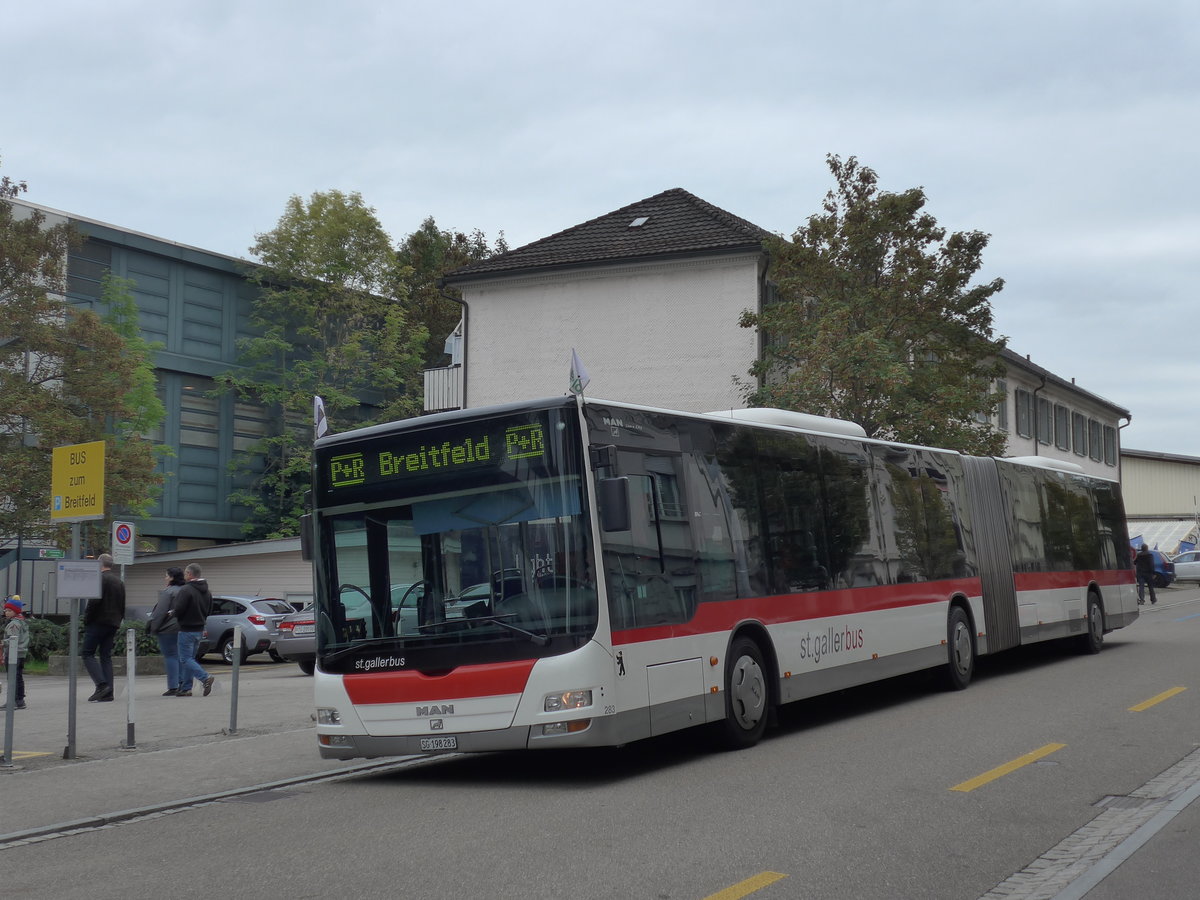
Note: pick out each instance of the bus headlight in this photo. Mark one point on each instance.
(328, 716)
(567, 700)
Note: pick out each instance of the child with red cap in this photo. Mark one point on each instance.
(16, 626)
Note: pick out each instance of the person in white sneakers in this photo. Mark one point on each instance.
(190, 608)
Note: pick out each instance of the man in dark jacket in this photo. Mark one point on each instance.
(1144, 563)
(190, 609)
(101, 619)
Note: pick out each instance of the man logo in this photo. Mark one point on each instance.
(445, 709)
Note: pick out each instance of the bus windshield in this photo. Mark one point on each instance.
(491, 571)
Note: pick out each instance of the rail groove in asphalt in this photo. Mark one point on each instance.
(90, 823)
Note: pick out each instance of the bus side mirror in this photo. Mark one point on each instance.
(614, 504)
(306, 537)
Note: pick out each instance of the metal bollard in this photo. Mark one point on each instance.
(233, 687)
(130, 680)
(10, 705)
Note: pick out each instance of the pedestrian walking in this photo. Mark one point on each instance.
(1144, 564)
(16, 626)
(190, 609)
(101, 619)
(165, 627)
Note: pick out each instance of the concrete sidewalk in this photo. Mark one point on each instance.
(182, 749)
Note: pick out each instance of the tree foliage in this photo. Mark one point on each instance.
(68, 376)
(876, 319)
(330, 321)
(424, 257)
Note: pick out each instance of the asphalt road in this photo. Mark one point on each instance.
(1053, 773)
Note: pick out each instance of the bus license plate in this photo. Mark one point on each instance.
(439, 743)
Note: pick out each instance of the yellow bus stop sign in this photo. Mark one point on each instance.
(77, 482)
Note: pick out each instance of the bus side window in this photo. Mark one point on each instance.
(650, 567)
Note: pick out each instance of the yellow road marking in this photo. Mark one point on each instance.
(747, 887)
(1165, 695)
(1000, 771)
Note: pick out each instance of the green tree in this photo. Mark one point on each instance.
(876, 320)
(331, 322)
(424, 257)
(68, 376)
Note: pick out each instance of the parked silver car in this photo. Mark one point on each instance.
(1187, 565)
(297, 638)
(257, 617)
(297, 635)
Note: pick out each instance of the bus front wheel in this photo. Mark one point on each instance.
(960, 650)
(747, 695)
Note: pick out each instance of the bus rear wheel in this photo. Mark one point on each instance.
(1092, 640)
(747, 695)
(960, 650)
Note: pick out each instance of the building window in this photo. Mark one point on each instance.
(1110, 445)
(198, 413)
(1024, 404)
(249, 426)
(1045, 421)
(1079, 428)
(1062, 427)
(86, 266)
(1095, 440)
(1002, 406)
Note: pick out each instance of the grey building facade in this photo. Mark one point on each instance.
(196, 305)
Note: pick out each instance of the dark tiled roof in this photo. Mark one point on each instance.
(677, 223)
(1024, 362)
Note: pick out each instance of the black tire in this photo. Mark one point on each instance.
(747, 696)
(1160, 581)
(1092, 640)
(960, 650)
(307, 666)
(226, 650)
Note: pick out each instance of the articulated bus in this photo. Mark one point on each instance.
(576, 572)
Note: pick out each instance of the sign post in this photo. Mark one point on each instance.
(76, 495)
(123, 534)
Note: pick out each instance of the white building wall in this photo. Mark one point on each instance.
(1057, 395)
(251, 569)
(1161, 488)
(663, 334)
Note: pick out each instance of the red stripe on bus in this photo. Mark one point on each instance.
(1045, 581)
(723, 615)
(466, 681)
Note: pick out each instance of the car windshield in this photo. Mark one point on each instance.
(495, 566)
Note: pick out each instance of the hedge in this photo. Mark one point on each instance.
(47, 638)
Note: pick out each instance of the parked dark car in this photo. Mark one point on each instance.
(257, 617)
(1164, 569)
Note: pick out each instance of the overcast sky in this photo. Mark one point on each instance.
(1066, 130)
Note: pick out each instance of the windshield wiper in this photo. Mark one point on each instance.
(359, 644)
(541, 640)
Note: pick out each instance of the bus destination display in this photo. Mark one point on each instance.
(486, 444)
